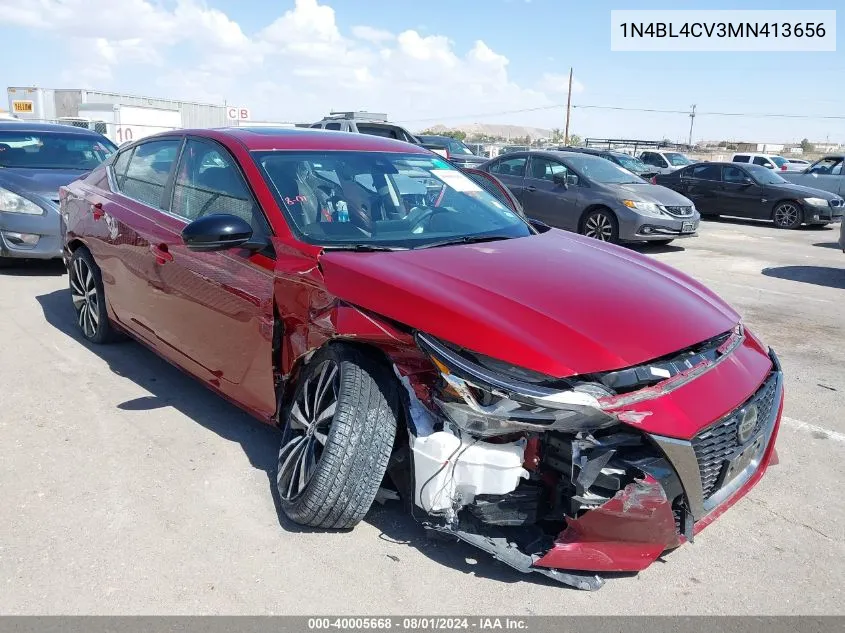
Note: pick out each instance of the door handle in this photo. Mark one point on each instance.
(531, 188)
(161, 253)
(97, 210)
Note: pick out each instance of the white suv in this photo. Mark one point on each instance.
(365, 123)
(772, 161)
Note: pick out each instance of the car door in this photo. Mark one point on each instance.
(702, 185)
(124, 223)
(511, 171)
(546, 200)
(214, 310)
(741, 195)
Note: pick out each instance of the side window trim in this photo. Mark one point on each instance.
(268, 227)
(169, 178)
(113, 175)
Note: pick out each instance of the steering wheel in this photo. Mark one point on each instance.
(417, 215)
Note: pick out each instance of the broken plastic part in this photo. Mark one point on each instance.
(449, 471)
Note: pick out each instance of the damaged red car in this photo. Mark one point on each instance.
(566, 405)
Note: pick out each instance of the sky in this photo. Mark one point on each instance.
(440, 61)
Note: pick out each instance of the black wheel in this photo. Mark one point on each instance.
(86, 292)
(601, 224)
(337, 439)
(787, 215)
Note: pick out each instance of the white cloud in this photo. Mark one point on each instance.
(371, 34)
(297, 66)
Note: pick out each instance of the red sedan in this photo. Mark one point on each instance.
(566, 405)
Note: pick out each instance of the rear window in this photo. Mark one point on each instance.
(33, 150)
(740, 158)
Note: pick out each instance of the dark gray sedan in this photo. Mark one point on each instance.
(595, 197)
(35, 160)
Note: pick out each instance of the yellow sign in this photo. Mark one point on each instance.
(22, 106)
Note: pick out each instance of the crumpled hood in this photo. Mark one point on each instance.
(41, 182)
(652, 193)
(556, 303)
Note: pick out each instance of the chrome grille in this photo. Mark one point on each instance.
(715, 446)
(679, 211)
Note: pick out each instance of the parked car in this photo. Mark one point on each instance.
(593, 196)
(35, 160)
(842, 236)
(371, 123)
(452, 149)
(626, 161)
(665, 161)
(526, 390)
(826, 173)
(795, 164)
(753, 191)
(769, 161)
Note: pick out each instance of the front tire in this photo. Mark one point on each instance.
(89, 298)
(337, 439)
(787, 215)
(601, 224)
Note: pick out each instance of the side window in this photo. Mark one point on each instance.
(733, 174)
(317, 125)
(208, 181)
(510, 167)
(707, 172)
(148, 171)
(740, 158)
(659, 161)
(831, 166)
(761, 160)
(544, 169)
(119, 167)
(333, 126)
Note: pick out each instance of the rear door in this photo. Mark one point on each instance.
(544, 199)
(511, 171)
(215, 309)
(125, 221)
(702, 185)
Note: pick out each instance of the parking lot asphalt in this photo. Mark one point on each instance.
(127, 488)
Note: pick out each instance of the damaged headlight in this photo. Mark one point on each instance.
(486, 397)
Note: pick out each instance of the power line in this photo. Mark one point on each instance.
(761, 115)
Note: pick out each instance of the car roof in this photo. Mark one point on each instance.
(41, 128)
(270, 138)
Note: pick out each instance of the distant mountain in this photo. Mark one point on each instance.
(495, 130)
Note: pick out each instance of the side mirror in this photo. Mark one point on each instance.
(540, 227)
(217, 232)
(747, 181)
(572, 180)
(769, 166)
(560, 178)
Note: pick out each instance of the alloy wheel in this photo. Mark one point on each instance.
(86, 302)
(786, 214)
(598, 226)
(307, 430)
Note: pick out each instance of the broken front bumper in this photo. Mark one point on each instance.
(684, 485)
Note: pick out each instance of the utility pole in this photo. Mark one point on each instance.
(691, 121)
(568, 104)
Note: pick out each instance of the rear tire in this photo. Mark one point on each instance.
(337, 439)
(787, 215)
(89, 299)
(601, 224)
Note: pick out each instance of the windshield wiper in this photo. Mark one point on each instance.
(466, 239)
(362, 248)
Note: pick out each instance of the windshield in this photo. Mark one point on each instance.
(33, 150)
(632, 164)
(383, 199)
(677, 160)
(600, 170)
(780, 161)
(456, 147)
(764, 175)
